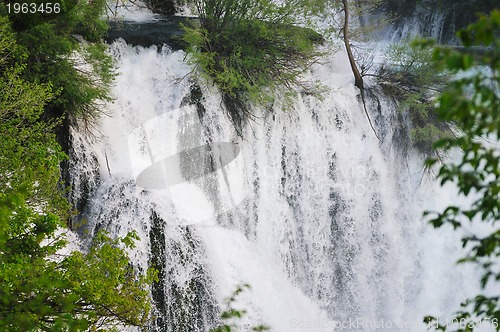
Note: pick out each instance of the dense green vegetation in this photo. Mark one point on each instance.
(43, 285)
(250, 50)
(53, 53)
(472, 102)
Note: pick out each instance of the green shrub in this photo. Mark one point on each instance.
(250, 50)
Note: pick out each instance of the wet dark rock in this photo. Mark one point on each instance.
(164, 31)
(180, 306)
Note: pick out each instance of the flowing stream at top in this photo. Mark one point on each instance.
(322, 220)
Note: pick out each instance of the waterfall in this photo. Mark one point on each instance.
(322, 220)
(403, 20)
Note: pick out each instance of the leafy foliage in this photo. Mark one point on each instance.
(29, 152)
(53, 52)
(472, 102)
(41, 286)
(250, 49)
(457, 14)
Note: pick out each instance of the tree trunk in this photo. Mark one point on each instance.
(358, 80)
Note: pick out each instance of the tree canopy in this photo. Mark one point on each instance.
(250, 50)
(44, 286)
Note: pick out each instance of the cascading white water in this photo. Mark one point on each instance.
(421, 23)
(309, 208)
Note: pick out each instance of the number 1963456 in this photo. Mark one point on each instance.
(33, 8)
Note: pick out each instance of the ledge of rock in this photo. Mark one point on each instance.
(165, 30)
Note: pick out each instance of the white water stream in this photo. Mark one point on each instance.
(310, 209)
